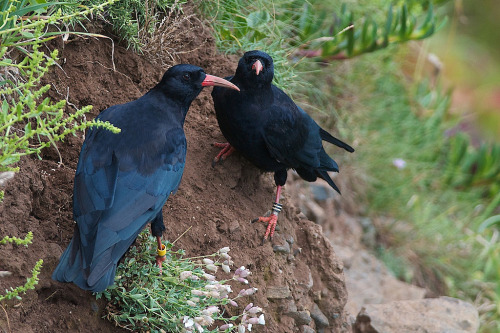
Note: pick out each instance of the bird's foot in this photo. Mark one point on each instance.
(271, 221)
(160, 258)
(226, 150)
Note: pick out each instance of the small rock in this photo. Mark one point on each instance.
(443, 314)
(301, 317)
(317, 296)
(297, 251)
(290, 240)
(319, 317)
(278, 292)
(285, 248)
(288, 307)
(306, 329)
(6, 176)
(5, 273)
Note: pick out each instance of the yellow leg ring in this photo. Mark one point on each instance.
(163, 251)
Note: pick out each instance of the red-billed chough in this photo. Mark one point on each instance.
(123, 180)
(270, 130)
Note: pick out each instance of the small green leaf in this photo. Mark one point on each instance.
(27, 34)
(33, 8)
(404, 15)
(5, 109)
(27, 129)
(258, 19)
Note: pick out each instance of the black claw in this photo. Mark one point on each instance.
(254, 220)
(214, 163)
(264, 241)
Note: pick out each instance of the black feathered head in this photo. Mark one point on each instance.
(184, 82)
(255, 69)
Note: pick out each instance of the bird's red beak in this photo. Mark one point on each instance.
(257, 66)
(211, 80)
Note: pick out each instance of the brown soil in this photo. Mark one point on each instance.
(218, 203)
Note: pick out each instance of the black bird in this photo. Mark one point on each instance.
(123, 180)
(270, 130)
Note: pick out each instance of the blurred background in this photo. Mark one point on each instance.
(468, 49)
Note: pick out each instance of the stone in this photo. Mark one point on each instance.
(284, 248)
(288, 307)
(300, 317)
(306, 329)
(319, 317)
(5, 273)
(6, 176)
(278, 292)
(317, 295)
(369, 281)
(432, 315)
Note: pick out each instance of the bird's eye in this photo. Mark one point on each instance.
(186, 76)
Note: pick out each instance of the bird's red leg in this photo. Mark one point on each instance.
(160, 258)
(226, 150)
(272, 219)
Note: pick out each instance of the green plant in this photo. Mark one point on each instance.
(183, 298)
(31, 281)
(29, 123)
(490, 222)
(241, 26)
(18, 241)
(346, 38)
(132, 18)
(23, 22)
(467, 166)
(30, 284)
(24, 119)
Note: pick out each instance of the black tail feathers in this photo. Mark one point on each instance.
(324, 174)
(328, 137)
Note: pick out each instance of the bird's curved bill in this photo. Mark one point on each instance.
(257, 66)
(211, 80)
